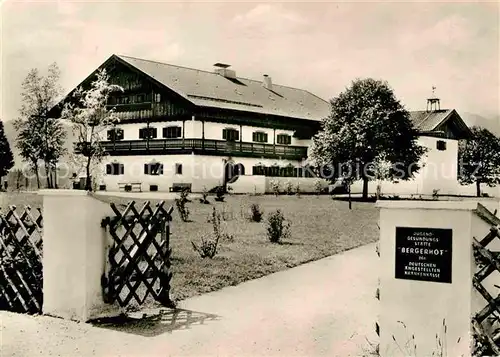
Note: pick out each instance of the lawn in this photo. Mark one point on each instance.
(320, 227)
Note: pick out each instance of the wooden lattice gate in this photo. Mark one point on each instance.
(21, 260)
(486, 322)
(138, 255)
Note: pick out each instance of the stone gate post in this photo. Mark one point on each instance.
(74, 248)
(426, 271)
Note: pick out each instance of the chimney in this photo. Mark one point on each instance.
(223, 70)
(267, 82)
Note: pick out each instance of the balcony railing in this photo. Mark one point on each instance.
(205, 147)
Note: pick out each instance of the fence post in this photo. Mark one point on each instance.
(427, 266)
(74, 255)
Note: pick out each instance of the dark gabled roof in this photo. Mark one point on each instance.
(209, 89)
(429, 121)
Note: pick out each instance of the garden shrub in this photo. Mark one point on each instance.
(255, 213)
(219, 194)
(204, 195)
(275, 186)
(318, 187)
(289, 188)
(297, 190)
(207, 247)
(209, 242)
(278, 228)
(181, 205)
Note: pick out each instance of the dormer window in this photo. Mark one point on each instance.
(441, 145)
(259, 137)
(172, 132)
(284, 139)
(148, 133)
(115, 134)
(230, 134)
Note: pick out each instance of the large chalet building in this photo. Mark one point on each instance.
(182, 127)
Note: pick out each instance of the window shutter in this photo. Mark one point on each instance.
(108, 169)
(141, 133)
(122, 169)
(265, 138)
(146, 169)
(160, 169)
(224, 134)
(165, 132)
(154, 133)
(254, 136)
(236, 135)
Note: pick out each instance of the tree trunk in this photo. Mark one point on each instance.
(365, 188)
(349, 191)
(478, 188)
(47, 174)
(37, 175)
(55, 178)
(88, 181)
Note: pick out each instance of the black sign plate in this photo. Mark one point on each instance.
(423, 254)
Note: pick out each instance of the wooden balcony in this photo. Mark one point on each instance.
(204, 147)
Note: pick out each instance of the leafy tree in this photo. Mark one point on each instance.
(90, 118)
(6, 157)
(40, 138)
(368, 129)
(479, 159)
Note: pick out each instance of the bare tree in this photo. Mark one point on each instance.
(90, 118)
(40, 138)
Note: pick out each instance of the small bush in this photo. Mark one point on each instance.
(318, 187)
(181, 205)
(289, 188)
(297, 190)
(227, 215)
(204, 195)
(255, 213)
(207, 247)
(219, 194)
(435, 194)
(277, 227)
(209, 242)
(275, 186)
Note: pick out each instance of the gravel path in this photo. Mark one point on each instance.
(324, 308)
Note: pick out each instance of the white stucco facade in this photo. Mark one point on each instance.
(439, 167)
(439, 171)
(212, 131)
(201, 171)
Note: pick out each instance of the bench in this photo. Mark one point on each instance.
(178, 187)
(130, 187)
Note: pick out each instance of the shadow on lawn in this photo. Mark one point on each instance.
(164, 321)
(290, 243)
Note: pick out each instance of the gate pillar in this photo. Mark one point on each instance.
(427, 268)
(74, 255)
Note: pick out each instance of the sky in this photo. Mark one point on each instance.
(318, 46)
